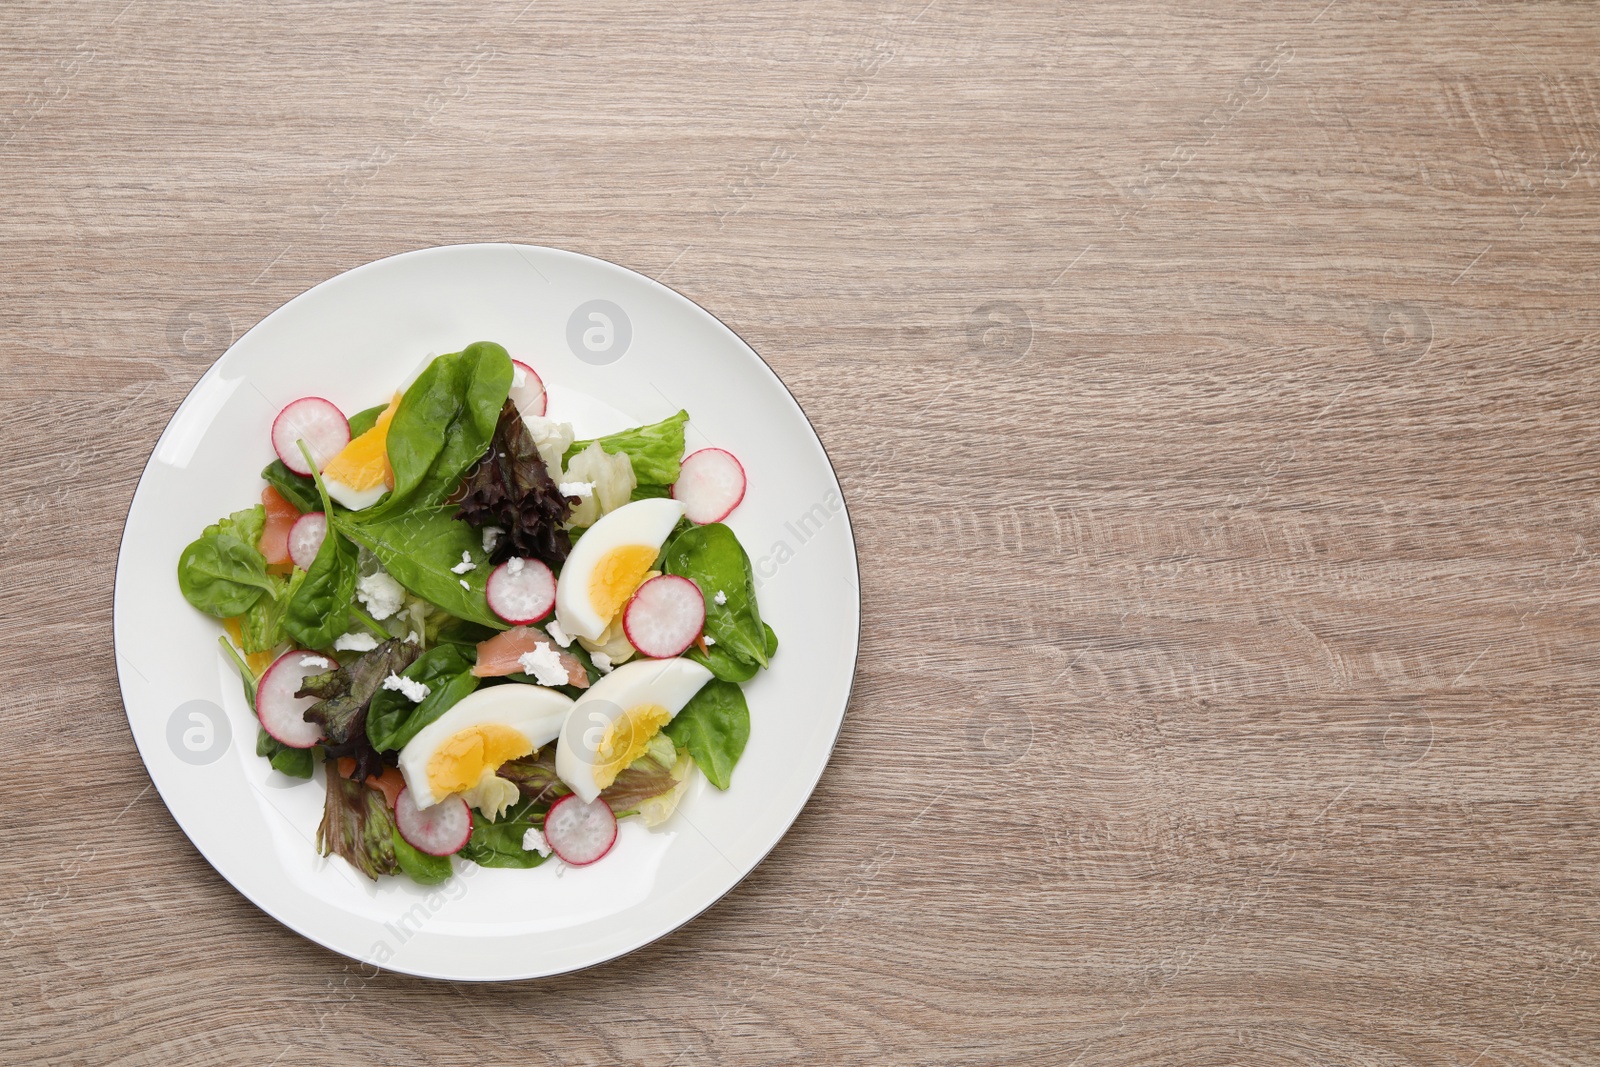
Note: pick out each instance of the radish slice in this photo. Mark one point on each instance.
(527, 389)
(580, 833)
(322, 426)
(665, 616)
(441, 830)
(282, 714)
(306, 537)
(711, 483)
(521, 591)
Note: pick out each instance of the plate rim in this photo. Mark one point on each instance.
(671, 293)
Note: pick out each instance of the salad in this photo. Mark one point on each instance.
(498, 640)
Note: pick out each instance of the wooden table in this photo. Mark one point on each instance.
(1217, 394)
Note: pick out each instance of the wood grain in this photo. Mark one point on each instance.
(1215, 390)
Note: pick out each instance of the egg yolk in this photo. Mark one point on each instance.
(616, 575)
(459, 763)
(626, 739)
(364, 462)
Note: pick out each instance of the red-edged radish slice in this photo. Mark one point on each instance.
(314, 420)
(665, 616)
(580, 833)
(521, 591)
(710, 484)
(282, 714)
(441, 830)
(306, 537)
(527, 389)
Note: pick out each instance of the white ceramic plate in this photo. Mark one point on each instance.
(615, 349)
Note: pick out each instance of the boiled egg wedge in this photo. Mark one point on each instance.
(459, 752)
(609, 562)
(612, 723)
(359, 474)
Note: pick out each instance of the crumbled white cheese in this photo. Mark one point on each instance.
(413, 638)
(355, 642)
(315, 661)
(464, 584)
(491, 537)
(720, 599)
(381, 594)
(557, 634)
(577, 489)
(514, 565)
(709, 640)
(465, 565)
(533, 841)
(410, 688)
(543, 664)
(601, 661)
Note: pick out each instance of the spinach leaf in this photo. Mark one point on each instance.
(318, 610)
(714, 727)
(223, 571)
(423, 868)
(499, 843)
(713, 559)
(297, 489)
(418, 547)
(295, 762)
(443, 424)
(655, 451)
(392, 719)
(723, 664)
(362, 421)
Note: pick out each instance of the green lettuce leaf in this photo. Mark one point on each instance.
(655, 451)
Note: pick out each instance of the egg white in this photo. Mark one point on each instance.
(669, 683)
(643, 522)
(533, 711)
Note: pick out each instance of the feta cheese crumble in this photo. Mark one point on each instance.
(465, 565)
(543, 665)
(315, 661)
(533, 841)
(557, 634)
(464, 584)
(491, 537)
(709, 640)
(381, 595)
(409, 688)
(720, 599)
(514, 565)
(577, 489)
(355, 642)
(413, 639)
(601, 661)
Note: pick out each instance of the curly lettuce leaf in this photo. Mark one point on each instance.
(511, 488)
